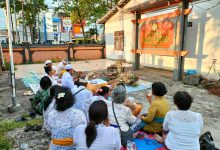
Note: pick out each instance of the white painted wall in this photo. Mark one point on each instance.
(203, 38)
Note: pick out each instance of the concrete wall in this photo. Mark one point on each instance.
(203, 38)
(121, 21)
(41, 56)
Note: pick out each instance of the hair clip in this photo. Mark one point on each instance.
(60, 95)
(100, 90)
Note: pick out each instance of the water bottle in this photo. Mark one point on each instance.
(131, 145)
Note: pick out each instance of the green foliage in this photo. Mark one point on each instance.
(5, 143)
(31, 9)
(8, 125)
(79, 10)
(7, 66)
(55, 59)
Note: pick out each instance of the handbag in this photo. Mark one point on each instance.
(125, 136)
(206, 142)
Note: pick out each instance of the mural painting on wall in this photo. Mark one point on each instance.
(157, 31)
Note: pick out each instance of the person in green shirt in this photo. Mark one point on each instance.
(42, 95)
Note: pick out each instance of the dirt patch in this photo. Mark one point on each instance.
(204, 102)
(213, 86)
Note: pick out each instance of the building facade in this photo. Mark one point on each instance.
(202, 41)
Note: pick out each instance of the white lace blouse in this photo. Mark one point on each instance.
(184, 129)
(62, 125)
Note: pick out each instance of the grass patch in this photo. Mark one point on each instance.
(9, 125)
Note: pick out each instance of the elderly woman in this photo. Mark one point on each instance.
(182, 127)
(120, 115)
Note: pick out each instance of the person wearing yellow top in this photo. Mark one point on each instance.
(159, 106)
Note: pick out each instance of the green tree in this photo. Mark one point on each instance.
(80, 10)
(31, 9)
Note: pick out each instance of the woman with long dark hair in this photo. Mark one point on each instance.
(93, 136)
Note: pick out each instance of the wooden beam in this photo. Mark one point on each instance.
(14, 49)
(87, 48)
(162, 52)
(49, 49)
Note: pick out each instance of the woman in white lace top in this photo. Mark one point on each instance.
(182, 127)
(62, 121)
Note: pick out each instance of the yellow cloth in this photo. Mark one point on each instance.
(158, 109)
(94, 87)
(63, 142)
(61, 73)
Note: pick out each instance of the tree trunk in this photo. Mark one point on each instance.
(31, 33)
(80, 19)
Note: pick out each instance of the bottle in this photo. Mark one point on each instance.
(131, 145)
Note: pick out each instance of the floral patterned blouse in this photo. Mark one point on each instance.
(61, 124)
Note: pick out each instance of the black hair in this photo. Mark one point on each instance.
(68, 70)
(65, 101)
(53, 91)
(47, 69)
(103, 90)
(183, 100)
(98, 112)
(45, 83)
(159, 89)
(78, 83)
(122, 84)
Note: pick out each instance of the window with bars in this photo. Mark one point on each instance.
(119, 40)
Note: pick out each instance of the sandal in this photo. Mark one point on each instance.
(21, 119)
(36, 127)
(28, 128)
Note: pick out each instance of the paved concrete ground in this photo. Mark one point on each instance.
(207, 105)
(88, 65)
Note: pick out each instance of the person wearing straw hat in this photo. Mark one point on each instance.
(67, 79)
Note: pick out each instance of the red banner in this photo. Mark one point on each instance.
(155, 33)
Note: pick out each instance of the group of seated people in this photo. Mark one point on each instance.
(78, 119)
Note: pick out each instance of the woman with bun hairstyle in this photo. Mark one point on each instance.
(93, 136)
(159, 106)
(62, 121)
(102, 94)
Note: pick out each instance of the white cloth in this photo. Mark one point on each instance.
(123, 114)
(113, 141)
(184, 128)
(49, 109)
(60, 67)
(67, 81)
(82, 99)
